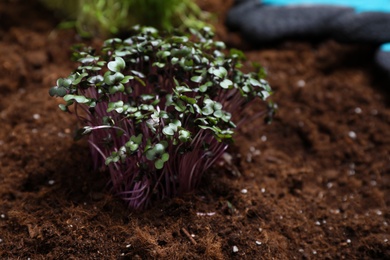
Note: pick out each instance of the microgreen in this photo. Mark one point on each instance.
(158, 109)
(112, 17)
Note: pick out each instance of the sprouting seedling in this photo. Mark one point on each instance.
(112, 17)
(158, 110)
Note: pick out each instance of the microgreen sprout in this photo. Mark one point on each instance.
(158, 109)
(112, 17)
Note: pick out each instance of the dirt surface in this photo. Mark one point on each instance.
(312, 185)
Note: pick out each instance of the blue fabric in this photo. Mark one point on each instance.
(385, 47)
(349, 21)
(358, 5)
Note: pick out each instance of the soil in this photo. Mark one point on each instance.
(315, 184)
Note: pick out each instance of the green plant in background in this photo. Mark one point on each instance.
(159, 109)
(110, 17)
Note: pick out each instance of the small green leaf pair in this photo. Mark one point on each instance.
(158, 155)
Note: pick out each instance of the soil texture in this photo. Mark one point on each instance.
(315, 184)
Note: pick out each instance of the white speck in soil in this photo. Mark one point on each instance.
(379, 212)
(235, 249)
(36, 116)
(260, 230)
(263, 138)
(61, 135)
(244, 191)
(51, 182)
(335, 211)
(262, 190)
(349, 241)
(301, 83)
(373, 183)
(352, 134)
(2, 216)
(258, 243)
(129, 245)
(301, 250)
(318, 223)
(329, 185)
(227, 158)
(358, 110)
(385, 240)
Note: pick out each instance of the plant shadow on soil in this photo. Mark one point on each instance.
(313, 185)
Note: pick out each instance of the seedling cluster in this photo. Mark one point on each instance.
(158, 109)
(112, 17)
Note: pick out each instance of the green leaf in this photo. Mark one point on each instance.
(180, 106)
(159, 64)
(226, 84)
(255, 82)
(126, 79)
(117, 106)
(113, 158)
(219, 72)
(111, 79)
(63, 107)
(234, 53)
(220, 45)
(116, 88)
(184, 135)
(197, 79)
(79, 78)
(188, 100)
(95, 79)
(88, 59)
(207, 110)
(204, 87)
(150, 154)
(57, 91)
(171, 128)
(217, 105)
(136, 139)
(61, 82)
(218, 114)
(77, 98)
(167, 130)
(159, 163)
(82, 132)
(131, 145)
(117, 65)
(163, 54)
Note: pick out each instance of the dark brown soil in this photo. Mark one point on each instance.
(312, 185)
